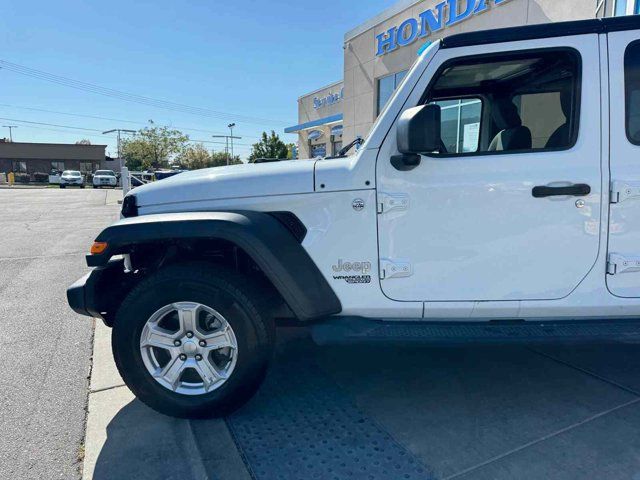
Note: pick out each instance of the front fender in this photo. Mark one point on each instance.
(262, 236)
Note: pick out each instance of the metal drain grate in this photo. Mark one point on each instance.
(302, 426)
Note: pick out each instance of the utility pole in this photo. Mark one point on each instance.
(231, 125)
(10, 127)
(124, 130)
(226, 142)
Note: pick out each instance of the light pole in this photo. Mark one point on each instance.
(118, 147)
(10, 127)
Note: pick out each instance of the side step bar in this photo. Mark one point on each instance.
(349, 330)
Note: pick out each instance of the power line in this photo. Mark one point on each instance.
(97, 117)
(131, 97)
(71, 127)
(51, 124)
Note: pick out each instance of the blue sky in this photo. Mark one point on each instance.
(244, 58)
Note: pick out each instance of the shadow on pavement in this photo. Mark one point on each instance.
(143, 444)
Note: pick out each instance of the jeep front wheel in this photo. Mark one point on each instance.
(192, 341)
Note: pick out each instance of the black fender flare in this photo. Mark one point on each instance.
(262, 236)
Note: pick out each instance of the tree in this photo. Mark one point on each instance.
(269, 146)
(153, 147)
(197, 156)
(219, 159)
(84, 141)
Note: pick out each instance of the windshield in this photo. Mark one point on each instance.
(71, 173)
(105, 172)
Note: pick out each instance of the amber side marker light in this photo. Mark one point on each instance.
(98, 247)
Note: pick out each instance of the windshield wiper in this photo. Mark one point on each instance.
(344, 150)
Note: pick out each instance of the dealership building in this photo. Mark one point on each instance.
(378, 53)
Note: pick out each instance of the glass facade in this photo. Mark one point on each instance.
(386, 86)
(460, 124)
(626, 7)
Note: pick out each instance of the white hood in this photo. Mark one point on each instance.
(234, 181)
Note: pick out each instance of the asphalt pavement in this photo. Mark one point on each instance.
(45, 348)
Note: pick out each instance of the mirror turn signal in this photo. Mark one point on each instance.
(98, 247)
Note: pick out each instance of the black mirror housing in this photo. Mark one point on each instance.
(419, 130)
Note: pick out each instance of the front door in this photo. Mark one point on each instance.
(509, 207)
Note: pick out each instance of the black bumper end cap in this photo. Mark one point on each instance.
(76, 296)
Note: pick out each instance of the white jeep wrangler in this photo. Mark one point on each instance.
(498, 191)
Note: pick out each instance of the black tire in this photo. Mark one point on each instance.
(62, 186)
(242, 302)
(95, 186)
(81, 186)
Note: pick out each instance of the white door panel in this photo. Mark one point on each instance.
(624, 224)
(473, 230)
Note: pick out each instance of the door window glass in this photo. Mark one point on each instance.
(542, 113)
(632, 92)
(516, 102)
(57, 166)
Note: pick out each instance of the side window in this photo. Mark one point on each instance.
(632, 92)
(515, 102)
(542, 114)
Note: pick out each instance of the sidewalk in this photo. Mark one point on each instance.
(126, 439)
(27, 185)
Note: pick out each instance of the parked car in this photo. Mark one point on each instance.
(162, 174)
(105, 178)
(71, 178)
(496, 197)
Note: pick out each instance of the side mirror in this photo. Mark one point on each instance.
(419, 130)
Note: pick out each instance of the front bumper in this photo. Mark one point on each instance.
(99, 182)
(99, 293)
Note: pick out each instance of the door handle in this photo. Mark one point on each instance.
(577, 190)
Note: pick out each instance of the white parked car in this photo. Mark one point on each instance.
(497, 197)
(71, 178)
(104, 178)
